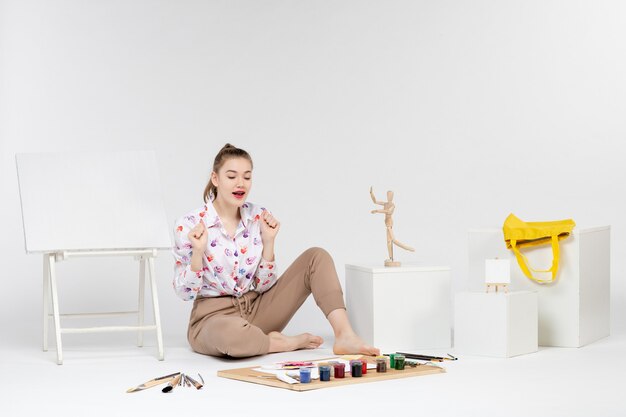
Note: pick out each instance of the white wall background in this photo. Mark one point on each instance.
(467, 110)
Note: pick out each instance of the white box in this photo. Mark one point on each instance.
(500, 325)
(573, 311)
(400, 308)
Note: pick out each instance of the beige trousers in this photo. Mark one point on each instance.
(239, 327)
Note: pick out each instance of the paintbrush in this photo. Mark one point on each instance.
(193, 381)
(173, 382)
(428, 357)
(153, 382)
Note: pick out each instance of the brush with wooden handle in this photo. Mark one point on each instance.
(193, 382)
(173, 382)
(153, 382)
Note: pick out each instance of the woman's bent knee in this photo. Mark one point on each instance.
(318, 253)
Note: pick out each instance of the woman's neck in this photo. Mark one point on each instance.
(226, 211)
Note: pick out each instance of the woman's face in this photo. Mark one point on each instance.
(233, 181)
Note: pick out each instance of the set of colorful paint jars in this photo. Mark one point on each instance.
(358, 368)
(326, 371)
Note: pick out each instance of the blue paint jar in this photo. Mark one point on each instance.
(324, 373)
(305, 375)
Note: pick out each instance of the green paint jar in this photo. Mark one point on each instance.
(399, 365)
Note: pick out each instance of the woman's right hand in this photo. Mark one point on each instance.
(198, 237)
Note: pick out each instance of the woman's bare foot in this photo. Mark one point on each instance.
(353, 344)
(281, 343)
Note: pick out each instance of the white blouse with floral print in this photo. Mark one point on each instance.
(231, 266)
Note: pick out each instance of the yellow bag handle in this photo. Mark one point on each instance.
(523, 261)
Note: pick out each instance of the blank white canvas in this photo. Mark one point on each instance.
(497, 271)
(91, 200)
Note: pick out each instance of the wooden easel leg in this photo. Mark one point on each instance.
(142, 290)
(46, 299)
(55, 308)
(155, 307)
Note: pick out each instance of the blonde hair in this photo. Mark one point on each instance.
(228, 151)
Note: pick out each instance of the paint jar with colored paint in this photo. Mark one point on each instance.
(381, 365)
(324, 373)
(399, 362)
(364, 362)
(392, 360)
(305, 375)
(385, 358)
(340, 370)
(356, 368)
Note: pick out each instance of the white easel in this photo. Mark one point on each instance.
(63, 192)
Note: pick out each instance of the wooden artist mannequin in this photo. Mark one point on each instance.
(388, 209)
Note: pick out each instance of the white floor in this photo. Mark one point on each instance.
(93, 380)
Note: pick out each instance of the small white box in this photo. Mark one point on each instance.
(500, 325)
(574, 310)
(400, 308)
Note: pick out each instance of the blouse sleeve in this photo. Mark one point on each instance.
(186, 282)
(265, 276)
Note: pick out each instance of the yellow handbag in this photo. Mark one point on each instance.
(520, 234)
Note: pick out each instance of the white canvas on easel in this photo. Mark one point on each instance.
(93, 204)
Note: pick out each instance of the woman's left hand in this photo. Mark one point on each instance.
(269, 227)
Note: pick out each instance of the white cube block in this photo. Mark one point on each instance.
(574, 310)
(499, 325)
(400, 308)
